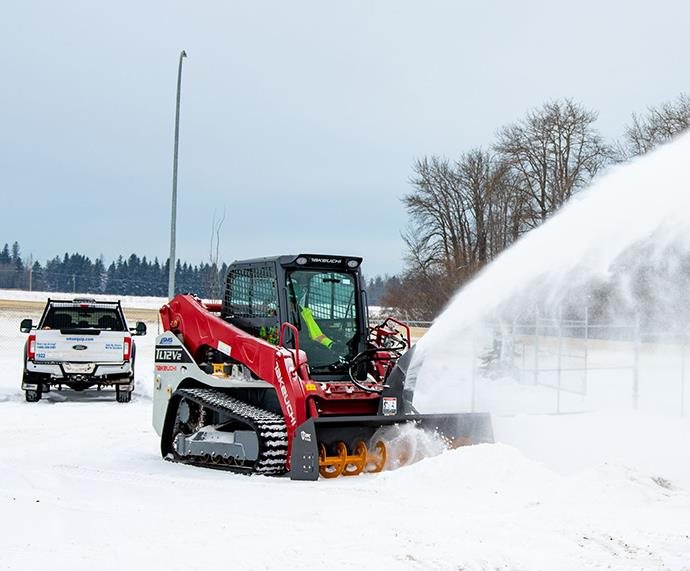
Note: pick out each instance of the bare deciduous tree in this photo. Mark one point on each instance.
(457, 225)
(658, 125)
(553, 152)
(215, 279)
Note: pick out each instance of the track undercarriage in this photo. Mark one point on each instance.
(215, 430)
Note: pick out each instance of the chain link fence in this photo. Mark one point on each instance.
(581, 357)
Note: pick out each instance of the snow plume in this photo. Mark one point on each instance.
(622, 247)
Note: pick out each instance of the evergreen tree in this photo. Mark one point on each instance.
(5, 255)
(37, 279)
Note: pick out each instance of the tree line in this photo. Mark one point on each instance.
(133, 275)
(464, 212)
(77, 273)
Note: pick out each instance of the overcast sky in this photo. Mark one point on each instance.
(301, 119)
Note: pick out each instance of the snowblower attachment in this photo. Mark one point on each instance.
(350, 445)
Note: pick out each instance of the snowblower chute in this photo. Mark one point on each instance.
(285, 375)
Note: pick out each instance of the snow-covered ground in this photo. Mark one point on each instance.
(82, 486)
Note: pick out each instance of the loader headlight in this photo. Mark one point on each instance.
(352, 264)
(301, 261)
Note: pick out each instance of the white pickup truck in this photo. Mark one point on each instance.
(79, 344)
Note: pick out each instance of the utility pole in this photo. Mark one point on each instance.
(173, 217)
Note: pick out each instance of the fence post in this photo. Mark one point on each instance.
(559, 366)
(536, 346)
(586, 345)
(636, 365)
(474, 369)
(512, 345)
(683, 342)
(524, 357)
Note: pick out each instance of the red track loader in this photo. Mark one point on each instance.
(286, 376)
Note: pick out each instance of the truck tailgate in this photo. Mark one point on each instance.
(91, 347)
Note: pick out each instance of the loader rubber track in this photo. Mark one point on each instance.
(269, 427)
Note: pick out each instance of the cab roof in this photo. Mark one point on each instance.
(334, 261)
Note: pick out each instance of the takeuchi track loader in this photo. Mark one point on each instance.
(286, 376)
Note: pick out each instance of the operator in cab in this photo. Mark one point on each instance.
(313, 297)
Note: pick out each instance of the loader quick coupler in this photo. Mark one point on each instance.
(344, 464)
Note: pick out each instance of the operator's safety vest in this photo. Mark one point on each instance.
(314, 330)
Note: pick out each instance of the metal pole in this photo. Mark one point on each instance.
(173, 217)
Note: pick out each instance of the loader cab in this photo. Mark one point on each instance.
(321, 295)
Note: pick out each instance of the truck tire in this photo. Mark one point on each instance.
(32, 395)
(123, 396)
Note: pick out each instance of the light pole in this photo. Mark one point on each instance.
(173, 216)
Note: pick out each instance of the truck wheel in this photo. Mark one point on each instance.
(32, 396)
(123, 396)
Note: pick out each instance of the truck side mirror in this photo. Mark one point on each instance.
(140, 328)
(26, 326)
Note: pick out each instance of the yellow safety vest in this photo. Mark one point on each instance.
(314, 330)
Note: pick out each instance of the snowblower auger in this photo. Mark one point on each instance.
(285, 375)
(351, 464)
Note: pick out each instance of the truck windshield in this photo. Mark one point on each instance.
(323, 307)
(107, 319)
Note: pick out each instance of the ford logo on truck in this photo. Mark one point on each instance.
(79, 347)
